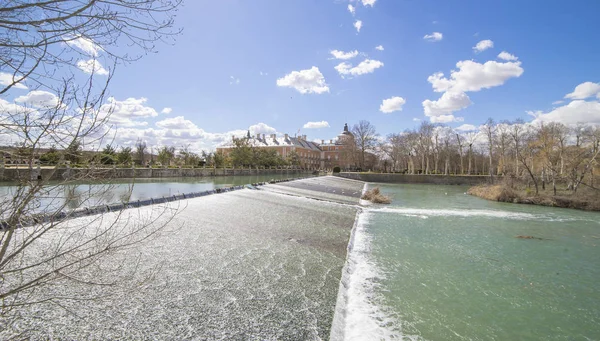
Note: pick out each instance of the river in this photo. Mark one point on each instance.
(91, 193)
(438, 264)
(271, 264)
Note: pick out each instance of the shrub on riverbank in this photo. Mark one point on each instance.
(588, 200)
(374, 195)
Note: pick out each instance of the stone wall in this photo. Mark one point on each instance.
(417, 178)
(12, 174)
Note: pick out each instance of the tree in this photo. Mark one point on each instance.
(218, 160)
(86, 27)
(140, 151)
(460, 142)
(489, 128)
(108, 155)
(109, 150)
(44, 46)
(293, 158)
(242, 153)
(471, 138)
(425, 144)
(124, 156)
(165, 155)
(188, 157)
(73, 151)
(503, 144)
(365, 138)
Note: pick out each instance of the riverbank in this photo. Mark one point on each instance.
(582, 201)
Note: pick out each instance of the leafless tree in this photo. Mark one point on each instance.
(471, 138)
(40, 37)
(460, 142)
(489, 128)
(365, 137)
(44, 47)
(503, 144)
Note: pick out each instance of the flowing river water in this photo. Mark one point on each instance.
(438, 264)
(306, 260)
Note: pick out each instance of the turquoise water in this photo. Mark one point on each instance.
(438, 264)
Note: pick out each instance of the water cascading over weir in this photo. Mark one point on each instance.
(249, 264)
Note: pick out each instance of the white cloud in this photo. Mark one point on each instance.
(309, 81)
(178, 122)
(316, 125)
(392, 104)
(263, 73)
(358, 25)
(439, 83)
(466, 127)
(344, 55)
(483, 45)
(127, 112)
(577, 111)
(351, 9)
(6, 79)
(447, 104)
(92, 65)
(180, 131)
(366, 66)
(507, 56)
(12, 109)
(585, 90)
(445, 119)
(435, 36)
(261, 128)
(416, 119)
(131, 107)
(166, 111)
(473, 76)
(380, 48)
(39, 99)
(84, 44)
(368, 2)
(558, 102)
(469, 76)
(233, 80)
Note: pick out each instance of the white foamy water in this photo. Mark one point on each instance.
(424, 213)
(359, 314)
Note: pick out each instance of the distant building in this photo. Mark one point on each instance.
(311, 155)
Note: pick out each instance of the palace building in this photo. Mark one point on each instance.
(311, 155)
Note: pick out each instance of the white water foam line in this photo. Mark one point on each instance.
(364, 190)
(357, 315)
(424, 213)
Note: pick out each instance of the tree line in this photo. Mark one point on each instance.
(541, 154)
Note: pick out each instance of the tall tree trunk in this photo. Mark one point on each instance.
(470, 159)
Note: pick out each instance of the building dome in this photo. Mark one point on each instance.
(345, 133)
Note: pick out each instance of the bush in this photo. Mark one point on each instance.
(374, 195)
(107, 159)
(336, 169)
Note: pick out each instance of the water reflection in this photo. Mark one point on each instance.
(57, 196)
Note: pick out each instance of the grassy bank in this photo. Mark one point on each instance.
(584, 199)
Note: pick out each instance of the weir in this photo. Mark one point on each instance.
(246, 264)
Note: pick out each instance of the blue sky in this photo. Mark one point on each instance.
(221, 76)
